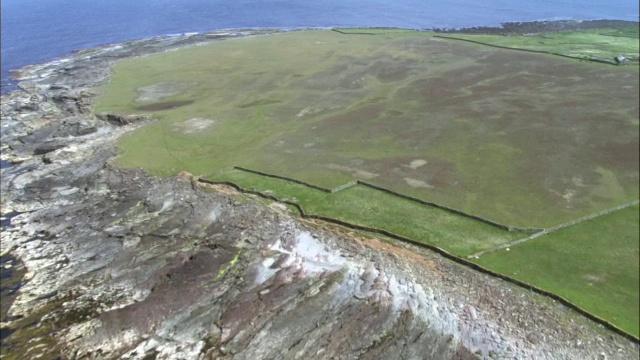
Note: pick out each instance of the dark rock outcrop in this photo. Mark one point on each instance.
(48, 147)
(121, 120)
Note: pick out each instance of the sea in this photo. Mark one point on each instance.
(36, 31)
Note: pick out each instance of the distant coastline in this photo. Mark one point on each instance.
(88, 217)
(10, 82)
(53, 29)
(519, 28)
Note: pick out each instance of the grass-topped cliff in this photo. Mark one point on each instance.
(519, 138)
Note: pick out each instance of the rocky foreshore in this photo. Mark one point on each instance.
(120, 264)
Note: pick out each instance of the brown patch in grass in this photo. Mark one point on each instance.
(401, 252)
(620, 154)
(259, 103)
(223, 189)
(353, 117)
(167, 105)
(394, 70)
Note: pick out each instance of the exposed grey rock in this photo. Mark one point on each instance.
(121, 264)
(621, 60)
(120, 120)
(48, 147)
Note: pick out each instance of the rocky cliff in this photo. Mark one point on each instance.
(120, 264)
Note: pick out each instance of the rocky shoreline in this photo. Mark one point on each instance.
(120, 264)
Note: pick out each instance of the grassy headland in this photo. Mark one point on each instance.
(520, 138)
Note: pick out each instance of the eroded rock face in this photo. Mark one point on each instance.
(168, 267)
(124, 265)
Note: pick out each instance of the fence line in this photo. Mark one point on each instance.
(511, 244)
(602, 61)
(439, 251)
(313, 186)
(592, 216)
(345, 186)
(351, 33)
(446, 208)
(556, 228)
(391, 192)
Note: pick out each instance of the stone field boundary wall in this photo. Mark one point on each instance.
(455, 211)
(388, 191)
(556, 228)
(435, 249)
(596, 60)
(601, 61)
(313, 186)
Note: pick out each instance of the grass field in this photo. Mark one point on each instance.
(519, 138)
(373, 208)
(595, 264)
(600, 44)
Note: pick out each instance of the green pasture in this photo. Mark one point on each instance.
(519, 138)
(374, 208)
(522, 139)
(600, 44)
(373, 31)
(594, 264)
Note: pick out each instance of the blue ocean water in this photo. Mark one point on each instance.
(34, 31)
